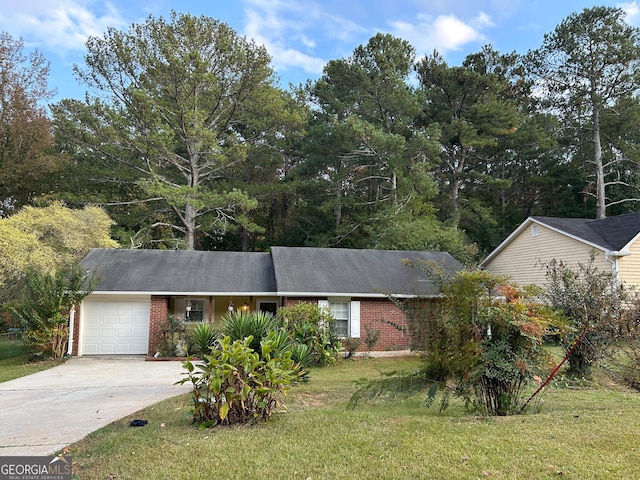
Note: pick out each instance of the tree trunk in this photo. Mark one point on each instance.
(337, 209)
(456, 184)
(189, 227)
(597, 160)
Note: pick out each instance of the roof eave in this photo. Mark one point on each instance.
(530, 220)
(176, 293)
(508, 240)
(353, 294)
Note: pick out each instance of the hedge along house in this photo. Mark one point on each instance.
(137, 289)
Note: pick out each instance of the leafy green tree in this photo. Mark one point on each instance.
(48, 239)
(583, 67)
(178, 103)
(266, 176)
(26, 143)
(362, 153)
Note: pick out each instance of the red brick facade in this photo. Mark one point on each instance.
(375, 314)
(157, 316)
(76, 330)
(381, 314)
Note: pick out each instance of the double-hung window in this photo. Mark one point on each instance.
(346, 312)
(340, 311)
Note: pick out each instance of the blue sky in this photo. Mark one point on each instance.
(301, 35)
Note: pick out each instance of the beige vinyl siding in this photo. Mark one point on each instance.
(524, 258)
(629, 266)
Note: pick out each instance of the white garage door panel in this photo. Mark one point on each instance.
(118, 327)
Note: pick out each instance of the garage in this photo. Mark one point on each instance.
(115, 327)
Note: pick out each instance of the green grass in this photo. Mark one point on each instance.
(14, 360)
(573, 433)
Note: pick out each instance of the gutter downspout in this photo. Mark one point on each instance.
(72, 317)
(614, 265)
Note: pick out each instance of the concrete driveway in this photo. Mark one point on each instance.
(42, 413)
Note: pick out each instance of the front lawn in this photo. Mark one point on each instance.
(571, 433)
(14, 360)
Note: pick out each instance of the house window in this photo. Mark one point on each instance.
(347, 315)
(534, 230)
(194, 310)
(270, 306)
(340, 311)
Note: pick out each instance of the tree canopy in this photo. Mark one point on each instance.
(179, 102)
(26, 140)
(187, 140)
(49, 239)
(588, 63)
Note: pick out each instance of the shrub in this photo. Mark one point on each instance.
(235, 384)
(371, 338)
(201, 338)
(300, 354)
(351, 345)
(314, 327)
(43, 310)
(622, 359)
(595, 303)
(484, 347)
(171, 332)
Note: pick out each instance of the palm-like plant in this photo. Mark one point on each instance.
(202, 337)
(239, 325)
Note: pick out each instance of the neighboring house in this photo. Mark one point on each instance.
(137, 289)
(538, 240)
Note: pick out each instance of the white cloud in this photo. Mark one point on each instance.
(293, 31)
(632, 11)
(483, 21)
(61, 25)
(443, 33)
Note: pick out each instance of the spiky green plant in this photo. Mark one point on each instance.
(239, 325)
(202, 337)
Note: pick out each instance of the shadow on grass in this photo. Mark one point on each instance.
(15, 360)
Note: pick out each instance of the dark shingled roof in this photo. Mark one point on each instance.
(326, 271)
(181, 271)
(285, 271)
(612, 233)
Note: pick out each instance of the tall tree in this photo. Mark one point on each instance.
(26, 140)
(473, 109)
(591, 59)
(362, 146)
(179, 103)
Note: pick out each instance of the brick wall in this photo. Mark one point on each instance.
(76, 331)
(375, 314)
(381, 314)
(157, 316)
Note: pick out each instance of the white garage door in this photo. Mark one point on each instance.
(115, 327)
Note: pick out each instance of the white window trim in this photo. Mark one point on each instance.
(353, 321)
